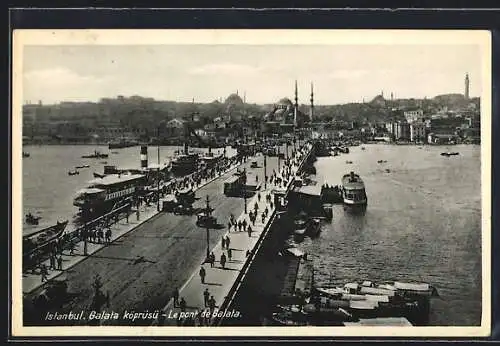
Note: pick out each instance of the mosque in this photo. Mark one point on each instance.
(285, 115)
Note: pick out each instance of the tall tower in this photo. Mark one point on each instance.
(466, 94)
(311, 110)
(296, 106)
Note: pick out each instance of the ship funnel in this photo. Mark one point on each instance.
(144, 156)
(352, 176)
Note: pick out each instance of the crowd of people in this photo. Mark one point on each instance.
(243, 224)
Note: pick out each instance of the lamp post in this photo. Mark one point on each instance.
(158, 175)
(208, 230)
(265, 170)
(245, 187)
(278, 158)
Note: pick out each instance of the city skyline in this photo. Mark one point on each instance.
(340, 73)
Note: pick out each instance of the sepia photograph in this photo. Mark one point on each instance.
(251, 182)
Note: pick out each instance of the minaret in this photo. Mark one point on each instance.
(311, 110)
(466, 86)
(296, 108)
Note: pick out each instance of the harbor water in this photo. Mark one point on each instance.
(423, 223)
(48, 190)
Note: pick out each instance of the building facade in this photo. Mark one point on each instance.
(413, 115)
(417, 131)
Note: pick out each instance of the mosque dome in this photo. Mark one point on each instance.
(234, 99)
(285, 102)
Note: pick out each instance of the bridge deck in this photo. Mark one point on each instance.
(219, 281)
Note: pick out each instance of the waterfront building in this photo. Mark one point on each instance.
(413, 115)
(174, 128)
(402, 130)
(417, 131)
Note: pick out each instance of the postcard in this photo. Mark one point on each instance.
(251, 183)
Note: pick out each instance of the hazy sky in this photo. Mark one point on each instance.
(340, 73)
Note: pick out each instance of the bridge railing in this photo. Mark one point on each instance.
(229, 299)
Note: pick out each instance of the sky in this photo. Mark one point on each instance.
(264, 73)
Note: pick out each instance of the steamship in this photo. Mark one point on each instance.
(353, 191)
(102, 194)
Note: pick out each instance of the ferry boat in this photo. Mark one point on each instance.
(42, 241)
(103, 193)
(209, 160)
(185, 164)
(353, 190)
(121, 144)
(95, 155)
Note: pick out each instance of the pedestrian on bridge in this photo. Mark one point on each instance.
(223, 241)
(223, 260)
(52, 262)
(229, 254)
(228, 242)
(43, 272)
(175, 296)
(211, 304)
(249, 231)
(183, 304)
(206, 296)
(211, 259)
(59, 262)
(203, 273)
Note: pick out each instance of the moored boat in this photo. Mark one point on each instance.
(371, 300)
(26, 154)
(40, 242)
(185, 164)
(101, 194)
(73, 172)
(313, 228)
(95, 155)
(32, 220)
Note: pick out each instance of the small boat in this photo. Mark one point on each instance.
(387, 170)
(40, 241)
(448, 154)
(382, 161)
(313, 228)
(74, 172)
(95, 155)
(348, 162)
(328, 211)
(26, 154)
(362, 148)
(97, 175)
(80, 167)
(104, 162)
(31, 219)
